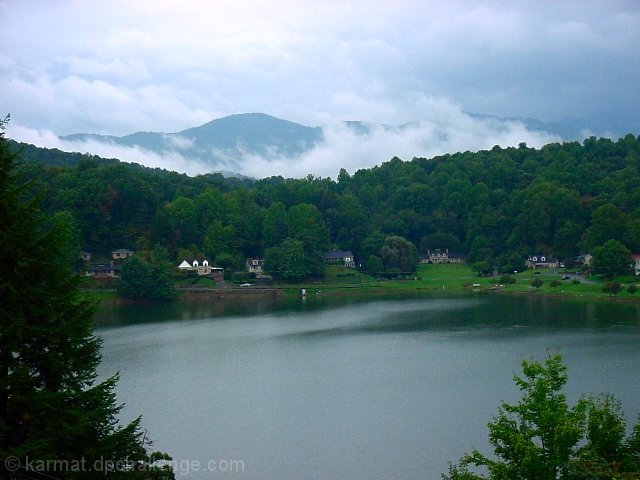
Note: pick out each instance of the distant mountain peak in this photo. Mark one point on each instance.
(223, 142)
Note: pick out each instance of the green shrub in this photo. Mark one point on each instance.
(507, 280)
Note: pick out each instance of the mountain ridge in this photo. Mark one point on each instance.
(225, 143)
(220, 140)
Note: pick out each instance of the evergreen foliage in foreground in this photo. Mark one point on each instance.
(543, 438)
(55, 419)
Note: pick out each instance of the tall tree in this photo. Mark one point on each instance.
(399, 255)
(305, 224)
(51, 407)
(287, 261)
(274, 224)
(611, 259)
(151, 280)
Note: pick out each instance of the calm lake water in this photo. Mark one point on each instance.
(347, 389)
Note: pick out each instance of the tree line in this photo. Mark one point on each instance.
(497, 205)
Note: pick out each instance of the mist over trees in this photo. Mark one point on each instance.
(497, 206)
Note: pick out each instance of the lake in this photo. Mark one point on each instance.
(334, 388)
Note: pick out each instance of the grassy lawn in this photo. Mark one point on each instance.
(588, 286)
(449, 278)
(428, 277)
(456, 278)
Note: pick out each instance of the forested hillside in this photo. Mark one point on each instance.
(498, 205)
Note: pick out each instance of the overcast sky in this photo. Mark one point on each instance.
(119, 67)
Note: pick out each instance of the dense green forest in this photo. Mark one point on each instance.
(498, 205)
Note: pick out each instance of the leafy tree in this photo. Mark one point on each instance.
(608, 222)
(481, 267)
(441, 240)
(182, 222)
(306, 225)
(160, 275)
(399, 254)
(612, 288)
(219, 239)
(134, 278)
(274, 224)
(511, 262)
(287, 261)
(543, 438)
(507, 280)
(372, 244)
(611, 259)
(151, 280)
(210, 207)
(555, 283)
(632, 289)
(374, 265)
(537, 283)
(479, 249)
(51, 406)
(607, 453)
(535, 438)
(230, 262)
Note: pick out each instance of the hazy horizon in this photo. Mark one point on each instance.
(116, 67)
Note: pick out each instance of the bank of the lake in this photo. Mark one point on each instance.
(459, 279)
(453, 279)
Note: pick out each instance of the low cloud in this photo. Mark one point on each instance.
(447, 129)
(169, 160)
(444, 128)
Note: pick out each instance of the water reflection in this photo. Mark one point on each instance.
(400, 313)
(347, 387)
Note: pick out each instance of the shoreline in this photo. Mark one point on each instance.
(190, 294)
(449, 279)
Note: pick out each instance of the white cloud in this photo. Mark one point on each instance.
(442, 128)
(178, 141)
(169, 160)
(118, 67)
(43, 138)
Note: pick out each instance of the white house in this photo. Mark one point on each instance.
(201, 267)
